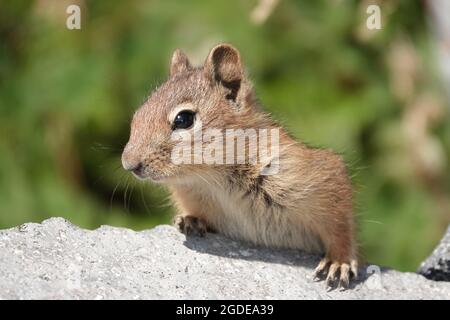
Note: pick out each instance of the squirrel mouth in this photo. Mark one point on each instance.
(151, 177)
(141, 172)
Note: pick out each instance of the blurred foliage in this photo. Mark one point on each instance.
(66, 98)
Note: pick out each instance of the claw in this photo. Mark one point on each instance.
(344, 278)
(354, 268)
(321, 269)
(336, 273)
(332, 274)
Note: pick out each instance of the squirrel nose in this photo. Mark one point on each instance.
(136, 168)
(132, 162)
(132, 166)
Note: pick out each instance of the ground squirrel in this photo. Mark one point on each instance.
(306, 204)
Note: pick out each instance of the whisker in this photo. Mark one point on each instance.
(143, 198)
(114, 191)
(201, 177)
(129, 197)
(125, 194)
(98, 146)
(373, 221)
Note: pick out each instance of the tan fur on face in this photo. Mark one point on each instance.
(307, 205)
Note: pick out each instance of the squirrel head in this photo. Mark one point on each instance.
(217, 95)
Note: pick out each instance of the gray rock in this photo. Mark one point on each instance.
(57, 260)
(437, 265)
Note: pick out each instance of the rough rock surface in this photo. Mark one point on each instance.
(57, 260)
(437, 265)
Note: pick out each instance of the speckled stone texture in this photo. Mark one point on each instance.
(57, 260)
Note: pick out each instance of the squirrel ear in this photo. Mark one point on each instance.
(179, 63)
(224, 66)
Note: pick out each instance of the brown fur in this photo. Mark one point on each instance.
(307, 205)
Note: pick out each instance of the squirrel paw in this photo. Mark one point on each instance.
(190, 225)
(336, 273)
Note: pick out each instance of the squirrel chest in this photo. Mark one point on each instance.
(240, 215)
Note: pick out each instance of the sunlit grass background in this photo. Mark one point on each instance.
(66, 98)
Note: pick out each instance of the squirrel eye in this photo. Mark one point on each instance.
(183, 120)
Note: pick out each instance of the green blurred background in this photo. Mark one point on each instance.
(67, 96)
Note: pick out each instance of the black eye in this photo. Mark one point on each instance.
(183, 120)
